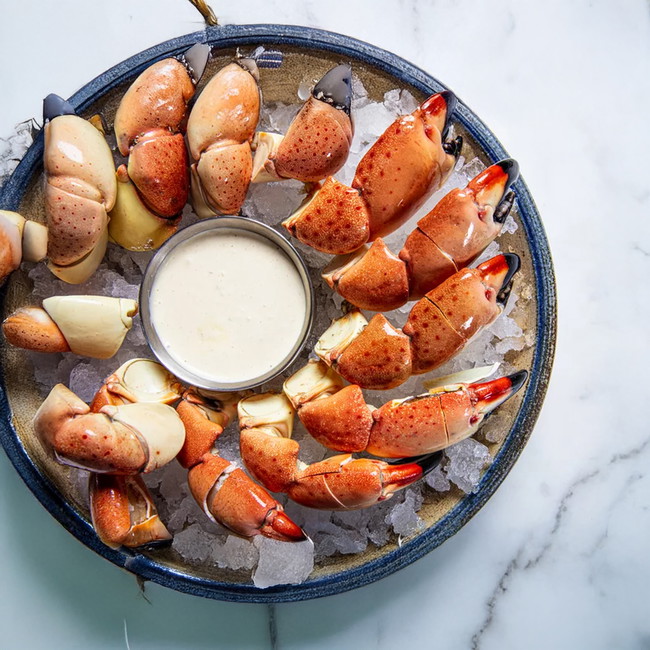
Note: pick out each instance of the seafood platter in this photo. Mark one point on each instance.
(278, 311)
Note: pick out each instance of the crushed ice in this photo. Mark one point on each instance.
(198, 539)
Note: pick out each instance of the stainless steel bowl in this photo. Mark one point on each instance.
(230, 225)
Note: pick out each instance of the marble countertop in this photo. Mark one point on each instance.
(558, 558)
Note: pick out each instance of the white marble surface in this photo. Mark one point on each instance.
(559, 557)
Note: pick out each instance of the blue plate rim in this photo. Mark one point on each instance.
(350, 48)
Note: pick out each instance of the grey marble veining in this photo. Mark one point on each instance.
(559, 556)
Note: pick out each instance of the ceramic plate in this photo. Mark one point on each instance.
(308, 54)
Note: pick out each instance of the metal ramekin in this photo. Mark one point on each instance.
(231, 225)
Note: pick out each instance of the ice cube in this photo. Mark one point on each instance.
(194, 544)
(235, 553)
(282, 563)
(467, 459)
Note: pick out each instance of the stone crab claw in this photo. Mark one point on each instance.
(447, 239)
(318, 140)
(377, 355)
(20, 239)
(92, 326)
(339, 418)
(123, 512)
(224, 492)
(220, 129)
(80, 190)
(408, 162)
(337, 483)
(459, 228)
(126, 439)
(149, 127)
(431, 422)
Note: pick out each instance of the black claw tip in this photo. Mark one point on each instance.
(53, 106)
(517, 380)
(451, 100)
(195, 60)
(511, 168)
(335, 88)
(453, 147)
(514, 263)
(428, 462)
(503, 208)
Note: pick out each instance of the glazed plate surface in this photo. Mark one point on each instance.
(308, 54)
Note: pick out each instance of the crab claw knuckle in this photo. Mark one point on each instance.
(375, 280)
(379, 358)
(123, 512)
(341, 421)
(125, 439)
(334, 220)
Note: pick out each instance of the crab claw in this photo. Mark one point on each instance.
(230, 498)
(442, 322)
(80, 191)
(406, 164)
(92, 326)
(123, 512)
(124, 439)
(344, 483)
(219, 134)
(318, 141)
(458, 228)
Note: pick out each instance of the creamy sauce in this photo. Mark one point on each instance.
(228, 307)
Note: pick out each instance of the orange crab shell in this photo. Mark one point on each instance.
(157, 99)
(407, 161)
(341, 421)
(158, 166)
(84, 439)
(433, 339)
(426, 264)
(377, 281)
(114, 502)
(33, 329)
(379, 358)
(271, 459)
(334, 221)
(317, 143)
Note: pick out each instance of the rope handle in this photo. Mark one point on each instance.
(206, 11)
